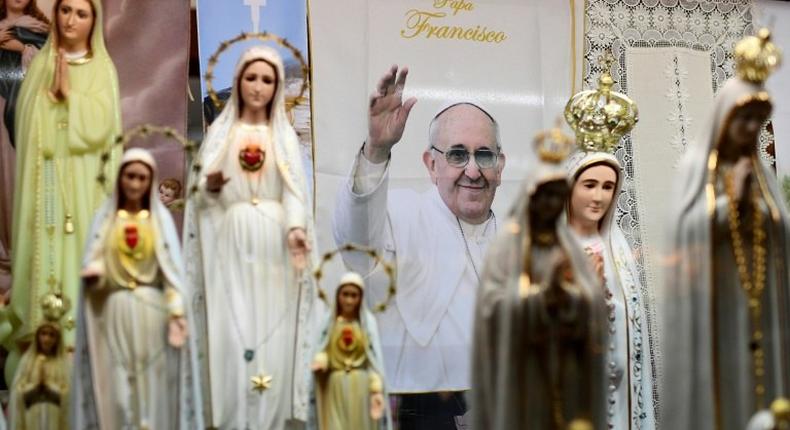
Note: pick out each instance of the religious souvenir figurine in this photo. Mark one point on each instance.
(246, 232)
(40, 393)
(725, 309)
(596, 180)
(348, 378)
(136, 360)
(540, 328)
(23, 31)
(170, 194)
(67, 117)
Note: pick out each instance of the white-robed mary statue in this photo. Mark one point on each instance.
(247, 245)
(135, 364)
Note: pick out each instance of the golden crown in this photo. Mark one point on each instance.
(54, 305)
(600, 117)
(756, 57)
(553, 145)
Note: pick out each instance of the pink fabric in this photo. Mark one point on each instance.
(149, 43)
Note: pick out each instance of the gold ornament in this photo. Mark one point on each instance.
(600, 117)
(318, 273)
(580, 424)
(261, 383)
(54, 305)
(68, 225)
(756, 57)
(753, 287)
(553, 145)
(780, 408)
(263, 37)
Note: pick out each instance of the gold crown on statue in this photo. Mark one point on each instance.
(54, 306)
(756, 57)
(600, 117)
(553, 145)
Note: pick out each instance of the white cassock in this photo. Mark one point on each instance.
(426, 336)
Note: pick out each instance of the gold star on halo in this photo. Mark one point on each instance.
(261, 383)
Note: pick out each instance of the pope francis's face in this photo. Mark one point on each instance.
(467, 190)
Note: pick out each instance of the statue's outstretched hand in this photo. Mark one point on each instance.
(376, 406)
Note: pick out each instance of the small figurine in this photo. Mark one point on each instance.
(40, 393)
(170, 194)
(136, 361)
(347, 371)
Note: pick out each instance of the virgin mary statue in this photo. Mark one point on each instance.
(726, 307)
(248, 247)
(540, 325)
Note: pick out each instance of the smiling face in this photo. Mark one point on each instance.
(467, 191)
(592, 195)
(74, 20)
(257, 85)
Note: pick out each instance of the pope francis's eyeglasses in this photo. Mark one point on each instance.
(459, 157)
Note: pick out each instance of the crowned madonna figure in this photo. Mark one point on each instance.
(540, 326)
(726, 307)
(596, 179)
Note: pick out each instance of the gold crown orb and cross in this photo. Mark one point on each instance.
(756, 57)
(54, 305)
(553, 145)
(600, 117)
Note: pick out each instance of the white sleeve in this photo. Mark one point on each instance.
(367, 175)
(361, 211)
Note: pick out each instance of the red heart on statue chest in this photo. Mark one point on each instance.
(131, 236)
(347, 336)
(252, 157)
